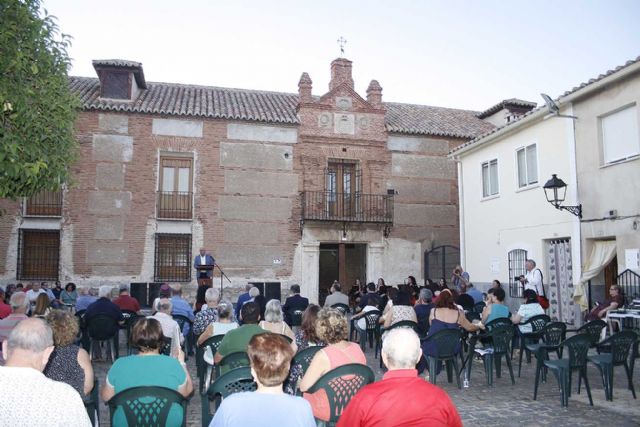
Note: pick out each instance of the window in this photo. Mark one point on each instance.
(620, 135)
(38, 254)
(173, 258)
(517, 259)
(45, 203)
(115, 85)
(342, 181)
(527, 166)
(490, 178)
(440, 262)
(174, 195)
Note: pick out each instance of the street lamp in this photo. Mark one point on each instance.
(555, 190)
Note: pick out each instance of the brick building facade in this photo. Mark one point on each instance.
(281, 187)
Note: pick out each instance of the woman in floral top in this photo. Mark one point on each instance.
(305, 337)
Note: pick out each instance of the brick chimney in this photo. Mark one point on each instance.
(119, 79)
(340, 73)
(304, 88)
(374, 94)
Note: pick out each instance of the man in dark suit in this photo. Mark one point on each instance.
(203, 259)
(293, 303)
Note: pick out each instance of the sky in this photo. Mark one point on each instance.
(449, 53)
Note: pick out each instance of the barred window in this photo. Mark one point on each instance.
(38, 254)
(45, 203)
(173, 258)
(517, 260)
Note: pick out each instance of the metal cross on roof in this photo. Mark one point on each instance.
(341, 43)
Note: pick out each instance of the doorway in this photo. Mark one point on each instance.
(344, 262)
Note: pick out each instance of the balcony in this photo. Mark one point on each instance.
(174, 205)
(46, 203)
(347, 207)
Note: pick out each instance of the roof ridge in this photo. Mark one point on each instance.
(430, 106)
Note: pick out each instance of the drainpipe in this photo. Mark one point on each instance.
(461, 211)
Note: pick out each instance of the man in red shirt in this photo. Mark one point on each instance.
(126, 301)
(385, 403)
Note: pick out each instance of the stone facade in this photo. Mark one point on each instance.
(247, 180)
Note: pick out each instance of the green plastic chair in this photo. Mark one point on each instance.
(238, 359)
(189, 339)
(619, 346)
(287, 338)
(500, 321)
(235, 381)
(448, 346)
(203, 369)
(593, 330)
(147, 406)
(341, 384)
(343, 308)
(578, 347)
(296, 318)
(304, 358)
(372, 331)
(498, 346)
(401, 324)
(553, 335)
(92, 403)
(537, 324)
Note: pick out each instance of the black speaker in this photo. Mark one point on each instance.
(139, 292)
(270, 290)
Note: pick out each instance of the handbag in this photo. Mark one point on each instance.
(542, 299)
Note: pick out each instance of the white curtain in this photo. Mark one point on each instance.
(601, 255)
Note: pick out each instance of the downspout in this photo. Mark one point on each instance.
(461, 211)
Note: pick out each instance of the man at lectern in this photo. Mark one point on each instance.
(201, 260)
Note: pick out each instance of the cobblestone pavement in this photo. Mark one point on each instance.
(501, 405)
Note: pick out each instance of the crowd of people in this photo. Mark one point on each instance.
(43, 353)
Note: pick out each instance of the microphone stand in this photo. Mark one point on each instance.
(222, 275)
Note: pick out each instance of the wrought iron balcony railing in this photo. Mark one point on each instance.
(45, 203)
(174, 205)
(347, 207)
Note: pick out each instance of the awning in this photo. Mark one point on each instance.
(601, 255)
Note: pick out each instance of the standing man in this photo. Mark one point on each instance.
(200, 260)
(294, 303)
(533, 279)
(27, 352)
(460, 279)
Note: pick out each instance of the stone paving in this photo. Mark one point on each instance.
(501, 405)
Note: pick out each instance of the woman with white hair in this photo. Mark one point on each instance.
(221, 326)
(274, 322)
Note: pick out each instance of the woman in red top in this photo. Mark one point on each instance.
(616, 301)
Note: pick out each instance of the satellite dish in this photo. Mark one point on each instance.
(554, 110)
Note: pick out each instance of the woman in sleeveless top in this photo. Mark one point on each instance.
(445, 315)
(223, 325)
(68, 363)
(495, 308)
(274, 322)
(332, 327)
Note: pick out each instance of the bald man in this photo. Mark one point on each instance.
(27, 352)
(385, 402)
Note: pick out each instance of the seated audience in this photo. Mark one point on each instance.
(57, 290)
(306, 337)
(32, 294)
(104, 306)
(27, 351)
(385, 402)
(295, 302)
(336, 297)
(68, 362)
(496, 284)
(165, 292)
(181, 307)
(615, 301)
(495, 308)
(530, 308)
(84, 300)
(474, 293)
(423, 309)
(238, 339)
(170, 328)
(45, 287)
(148, 368)
(5, 309)
(19, 307)
(274, 322)
(42, 307)
(69, 295)
(223, 325)
(360, 322)
(445, 315)
(125, 301)
(270, 356)
(209, 312)
(370, 298)
(242, 299)
(465, 301)
(400, 310)
(332, 328)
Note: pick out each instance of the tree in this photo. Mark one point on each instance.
(37, 109)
